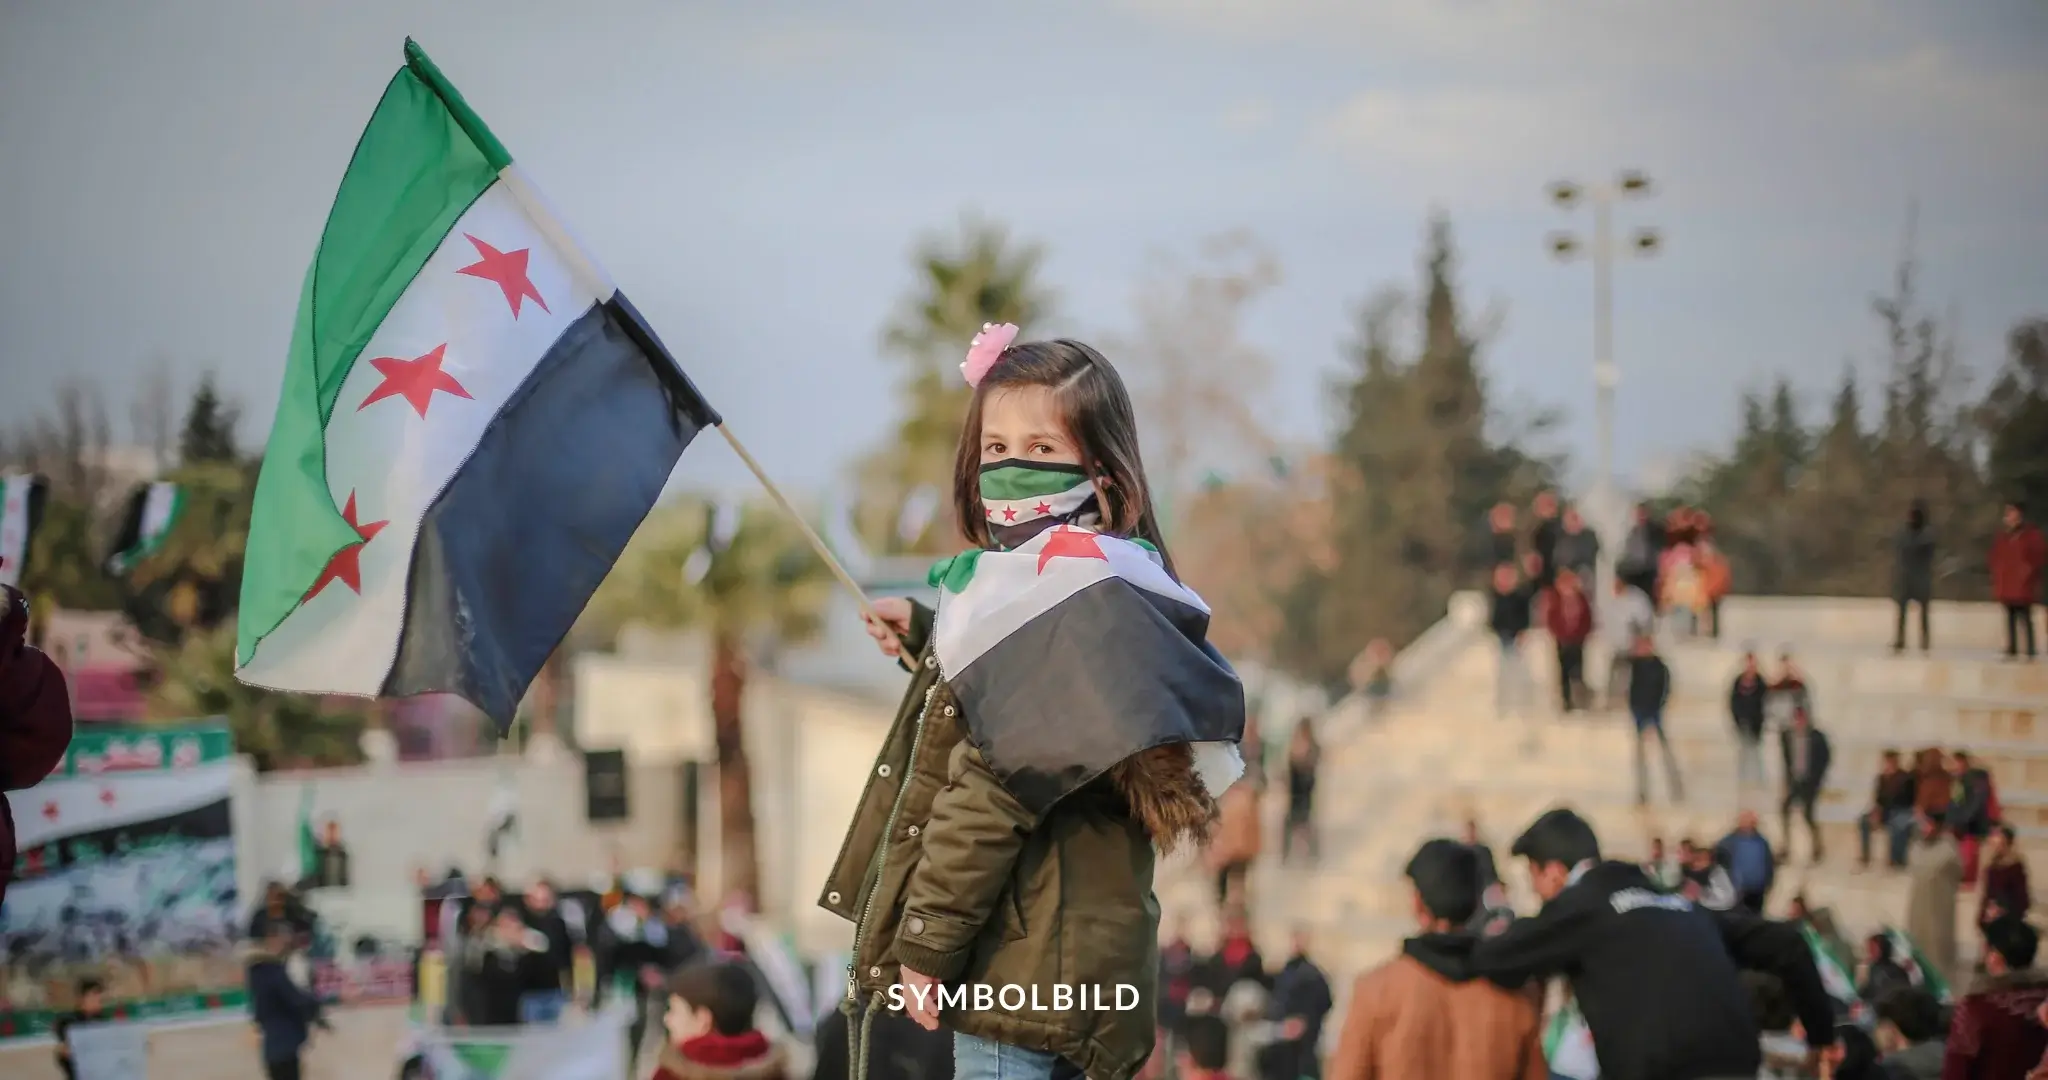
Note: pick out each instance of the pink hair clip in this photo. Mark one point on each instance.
(986, 349)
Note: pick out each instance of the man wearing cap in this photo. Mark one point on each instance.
(1656, 976)
(1423, 1013)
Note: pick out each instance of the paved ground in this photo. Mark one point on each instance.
(361, 1047)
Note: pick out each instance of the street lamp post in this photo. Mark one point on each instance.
(1565, 246)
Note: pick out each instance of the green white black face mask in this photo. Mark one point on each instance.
(1024, 498)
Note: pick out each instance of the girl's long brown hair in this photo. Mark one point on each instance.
(1097, 412)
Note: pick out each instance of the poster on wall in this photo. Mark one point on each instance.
(126, 874)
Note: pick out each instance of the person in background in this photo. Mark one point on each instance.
(1996, 1032)
(1299, 1004)
(1179, 969)
(1237, 959)
(1973, 811)
(1717, 578)
(1578, 547)
(1656, 978)
(1909, 1033)
(1934, 868)
(1661, 868)
(1509, 619)
(710, 1027)
(1544, 536)
(1641, 553)
(1568, 615)
(1913, 572)
(284, 1012)
(2006, 892)
(1503, 539)
(1891, 809)
(1807, 756)
(1303, 758)
(1423, 1013)
(35, 717)
(1630, 614)
(330, 859)
(1678, 576)
(1204, 1052)
(91, 1008)
(547, 979)
(1702, 878)
(1752, 868)
(1933, 788)
(1789, 691)
(1372, 671)
(2018, 555)
(1852, 1057)
(1649, 688)
(1882, 972)
(280, 909)
(1746, 711)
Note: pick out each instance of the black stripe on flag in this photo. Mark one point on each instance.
(1106, 673)
(511, 551)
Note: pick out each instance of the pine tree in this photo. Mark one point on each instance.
(209, 433)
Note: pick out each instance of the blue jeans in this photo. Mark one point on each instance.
(1898, 828)
(982, 1059)
(541, 1006)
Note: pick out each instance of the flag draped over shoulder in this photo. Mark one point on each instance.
(1075, 651)
(473, 422)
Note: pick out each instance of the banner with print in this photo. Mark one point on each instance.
(594, 1049)
(126, 874)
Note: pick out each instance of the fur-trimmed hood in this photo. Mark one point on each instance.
(1164, 792)
(752, 1056)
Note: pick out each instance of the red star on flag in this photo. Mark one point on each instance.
(508, 270)
(1042, 508)
(414, 380)
(1067, 542)
(1009, 513)
(50, 810)
(345, 566)
(106, 796)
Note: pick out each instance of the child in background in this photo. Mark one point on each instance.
(711, 1032)
(92, 1008)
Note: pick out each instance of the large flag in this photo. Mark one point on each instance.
(474, 421)
(152, 512)
(21, 508)
(1076, 650)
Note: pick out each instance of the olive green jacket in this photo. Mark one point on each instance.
(943, 871)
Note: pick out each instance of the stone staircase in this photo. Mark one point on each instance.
(1439, 754)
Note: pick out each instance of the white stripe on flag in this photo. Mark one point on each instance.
(1009, 590)
(14, 491)
(55, 809)
(396, 462)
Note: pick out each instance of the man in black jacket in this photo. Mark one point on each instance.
(1656, 977)
(1649, 688)
(1747, 700)
(1807, 756)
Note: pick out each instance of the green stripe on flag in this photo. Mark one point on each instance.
(1011, 483)
(421, 161)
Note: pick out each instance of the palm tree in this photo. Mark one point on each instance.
(762, 588)
(972, 276)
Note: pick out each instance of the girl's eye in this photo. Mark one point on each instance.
(1042, 448)
(993, 448)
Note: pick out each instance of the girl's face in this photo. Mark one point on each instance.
(1023, 422)
(683, 1022)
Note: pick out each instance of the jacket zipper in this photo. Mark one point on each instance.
(867, 906)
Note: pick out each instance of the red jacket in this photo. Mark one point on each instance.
(747, 1056)
(1569, 619)
(35, 716)
(1996, 1032)
(2017, 557)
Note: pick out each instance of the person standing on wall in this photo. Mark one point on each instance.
(2018, 555)
(1509, 620)
(1807, 756)
(1913, 572)
(1649, 689)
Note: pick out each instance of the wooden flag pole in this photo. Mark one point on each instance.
(824, 550)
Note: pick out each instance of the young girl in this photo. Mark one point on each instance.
(1066, 716)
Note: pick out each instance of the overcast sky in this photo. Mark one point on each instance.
(753, 175)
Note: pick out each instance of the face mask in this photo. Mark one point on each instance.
(1024, 498)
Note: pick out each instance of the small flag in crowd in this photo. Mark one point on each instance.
(1076, 623)
(1839, 981)
(1926, 976)
(474, 421)
(151, 514)
(309, 843)
(21, 510)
